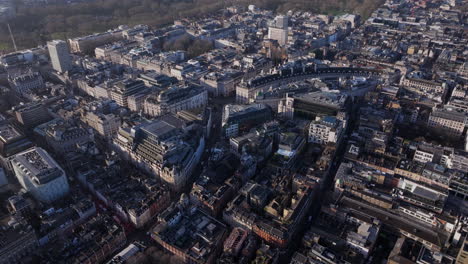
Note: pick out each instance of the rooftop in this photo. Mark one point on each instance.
(37, 163)
(8, 133)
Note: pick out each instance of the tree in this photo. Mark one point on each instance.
(199, 47)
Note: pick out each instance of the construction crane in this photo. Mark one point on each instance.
(12, 38)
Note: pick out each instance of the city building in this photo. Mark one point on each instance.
(135, 198)
(233, 244)
(190, 234)
(462, 256)
(325, 130)
(87, 44)
(94, 241)
(459, 161)
(127, 253)
(17, 243)
(238, 118)
(313, 104)
(431, 89)
(163, 147)
(175, 99)
(221, 83)
(24, 83)
(278, 30)
(59, 55)
(39, 174)
(448, 120)
(106, 125)
(32, 114)
(430, 198)
(290, 147)
(122, 90)
(458, 186)
(136, 102)
(12, 142)
(63, 137)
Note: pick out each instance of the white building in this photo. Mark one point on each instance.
(176, 99)
(325, 130)
(59, 55)
(40, 175)
(279, 30)
(449, 120)
(105, 125)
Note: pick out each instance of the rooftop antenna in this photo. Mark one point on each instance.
(12, 38)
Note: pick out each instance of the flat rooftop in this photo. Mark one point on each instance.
(158, 128)
(36, 162)
(8, 133)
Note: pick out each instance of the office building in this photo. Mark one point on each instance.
(325, 130)
(87, 44)
(11, 142)
(23, 83)
(39, 174)
(63, 137)
(175, 99)
(311, 105)
(105, 125)
(59, 55)
(237, 118)
(163, 147)
(136, 102)
(32, 114)
(278, 30)
(221, 83)
(448, 120)
(122, 90)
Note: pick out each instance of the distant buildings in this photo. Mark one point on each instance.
(87, 44)
(40, 175)
(59, 55)
(362, 122)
